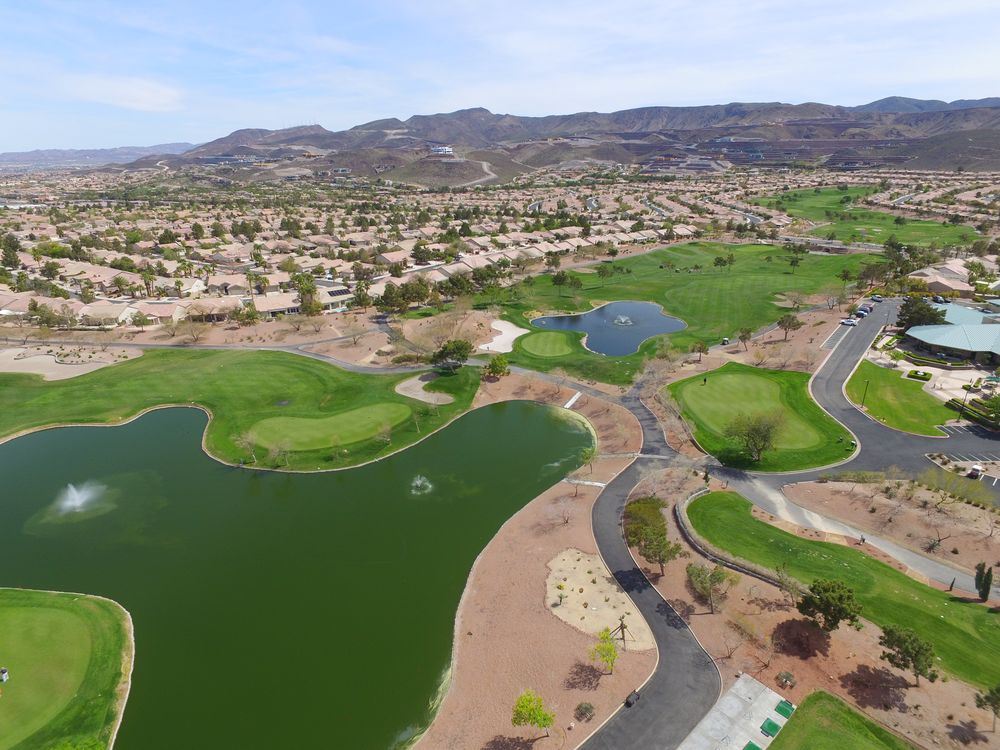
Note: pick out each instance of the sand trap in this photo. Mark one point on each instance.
(26, 361)
(601, 602)
(504, 341)
(414, 388)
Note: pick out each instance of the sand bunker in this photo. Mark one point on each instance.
(591, 598)
(22, 360)
(414, 388)
(503, 342)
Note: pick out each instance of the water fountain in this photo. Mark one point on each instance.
(623, 320)
(75, 499)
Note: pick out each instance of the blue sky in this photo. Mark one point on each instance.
(98, 73)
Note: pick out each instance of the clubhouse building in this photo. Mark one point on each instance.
(969, 333)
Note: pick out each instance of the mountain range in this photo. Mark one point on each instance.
(887, 129)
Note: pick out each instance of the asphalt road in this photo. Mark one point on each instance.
(686, 683)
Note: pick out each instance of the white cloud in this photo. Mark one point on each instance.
(125, 92)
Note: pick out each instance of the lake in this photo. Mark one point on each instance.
(274, 610)
(617, 328)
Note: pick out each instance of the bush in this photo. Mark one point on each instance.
(584, 711)
(918, 375)
(409, 359)
(641, 514)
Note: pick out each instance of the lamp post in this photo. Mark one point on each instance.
(961, 414)
(864, 395)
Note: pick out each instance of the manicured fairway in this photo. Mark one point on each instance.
(682, 279)
(64, 653)
(305, 434)
(303, 405)
(808, 436)
(548, 344)
(965, 634)
(824, 722)
(897, 400)
(853, 222)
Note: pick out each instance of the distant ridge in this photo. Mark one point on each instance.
(53, 157)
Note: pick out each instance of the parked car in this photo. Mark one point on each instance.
(861, 314)
(939, 299)
(866, 307)
(848, 322)
(877, 298)
(632, 699)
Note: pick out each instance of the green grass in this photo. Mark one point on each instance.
(352, 426)
(64, 653)
(965, 633)
(713, 302)
(824, 722)
(246, 392)
(808, 437)
(896, 400)
(852, 222)
(548, 344)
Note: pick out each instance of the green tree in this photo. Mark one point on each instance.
(984, 581)
(990, 701)
(916, 311)
(711, 584)
(845, 276)
(699, 348)
(197, 231)
(795, 261)
(655, 547)
(587, 456)
(788, 323)
(906, 650)
(604, 272)
(605, 651)
(756, 433)
(497, 367)
(452, 354)
(745, 335)
(530, 711)
(828, 603)
(141, 320)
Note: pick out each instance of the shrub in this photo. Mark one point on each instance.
(641, 514)
(918, 375)
(584, 711)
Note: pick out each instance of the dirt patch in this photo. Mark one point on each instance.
(414, 388)
(371, 349)
(505, 627)
(430, 333)
(59, 361)
(759, 632)
(582, 593)
(912, 516)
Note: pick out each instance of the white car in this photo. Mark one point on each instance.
(848, 322)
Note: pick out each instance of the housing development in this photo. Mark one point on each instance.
(672, 428)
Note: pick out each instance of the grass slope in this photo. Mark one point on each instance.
(64, 653)
(713, 302)
(897, 400)
(244, 391)
(861, 224)
(824, 722)
(548, 344)
(965, 634)
(808, 436)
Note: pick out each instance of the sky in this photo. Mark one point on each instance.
(102, 73)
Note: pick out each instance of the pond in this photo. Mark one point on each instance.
(617, 328)
(274, 610)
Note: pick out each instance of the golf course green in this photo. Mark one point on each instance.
(269, 409)
(824, 722)
(67, 655)
(808, 437)
(964, 633)
(896, 400)
(852, 222)
(548, 343)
